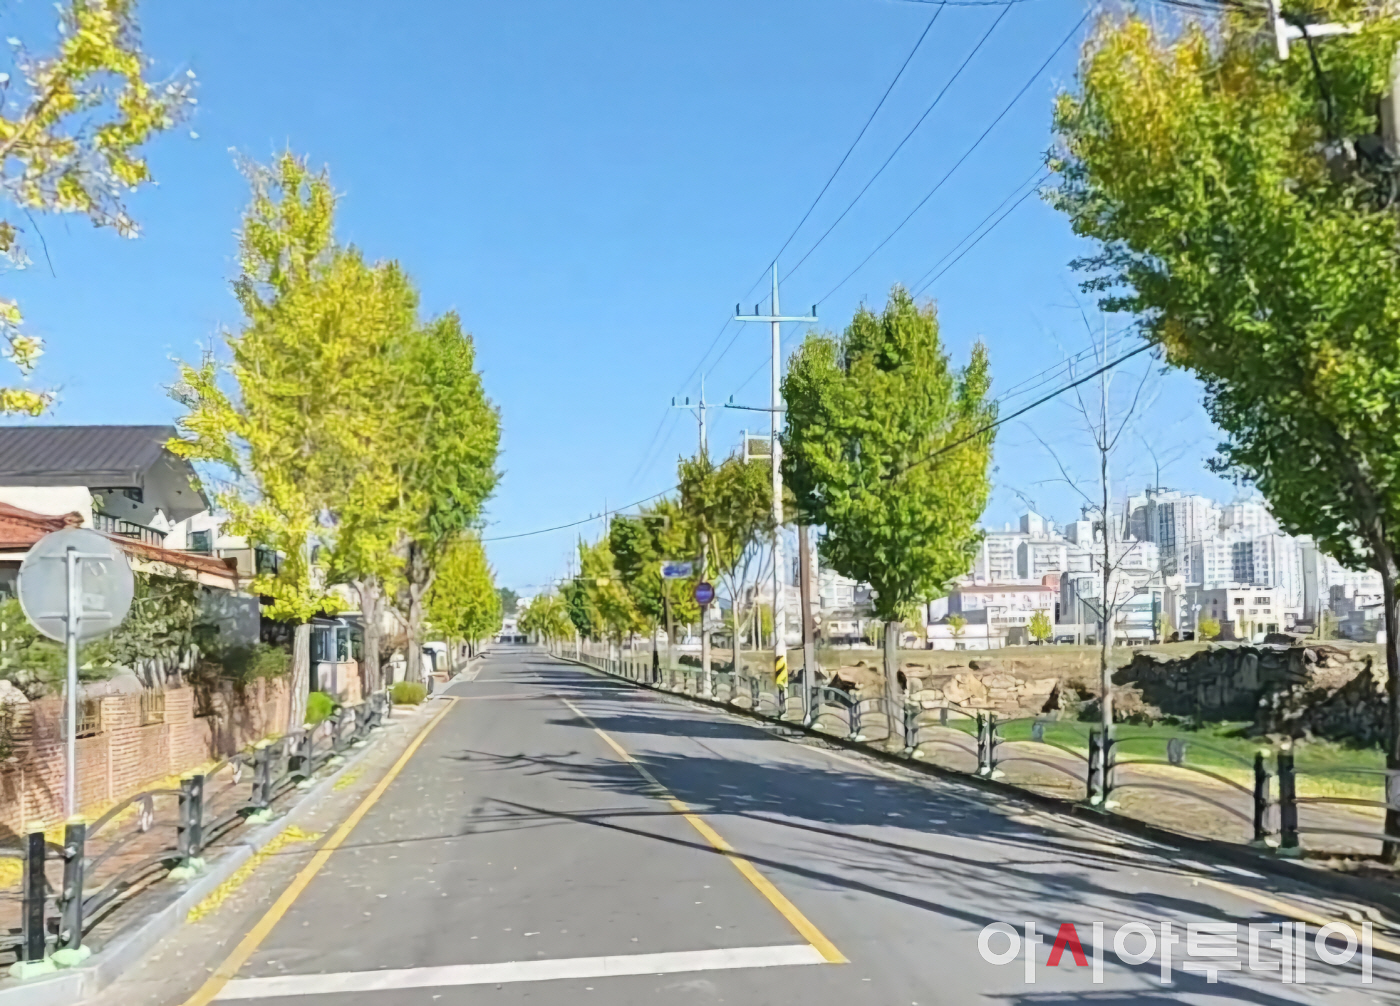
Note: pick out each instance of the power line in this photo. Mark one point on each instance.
(979, 238)
(942, 450)
(900, 146)
(920, 284)
(966, 154)
(1022, 411)
(846, 156)
(586, 520)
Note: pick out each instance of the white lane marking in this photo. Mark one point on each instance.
(522, 971)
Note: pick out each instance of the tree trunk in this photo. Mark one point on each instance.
(301, 677)
(370, 598)
(738, 643)
(894, 695)
(1390, 851)
(414, 670)
(671, 643)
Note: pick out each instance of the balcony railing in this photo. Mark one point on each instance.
(108, 524)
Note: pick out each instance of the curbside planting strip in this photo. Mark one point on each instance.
(1360, 889)
(172, 907)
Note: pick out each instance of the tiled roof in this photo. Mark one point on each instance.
(20, 528)
(174, 557)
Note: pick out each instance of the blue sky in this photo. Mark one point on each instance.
(593, 186)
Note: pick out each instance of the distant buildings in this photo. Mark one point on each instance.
(1173, 558)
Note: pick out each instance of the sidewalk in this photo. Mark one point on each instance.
(129, 933)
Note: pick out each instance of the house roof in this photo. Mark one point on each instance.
(20, 528)
(97, 456)
(209, 564)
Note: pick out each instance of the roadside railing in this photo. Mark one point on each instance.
(1260, 795)
(68, 888)
(1295, 819)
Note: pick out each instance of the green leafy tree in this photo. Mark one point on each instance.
(956, 625)
(546, 618)
(448, 466)
(731, 503)
(1198, 161)
(72, 125)
(1207, 627)
(297, 435)
(640, 545)
(882, 447)
(579, 605)
(610, 603)
(1039, 627)
(463, 603)
(509, 599)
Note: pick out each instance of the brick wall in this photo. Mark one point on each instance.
(125, 755)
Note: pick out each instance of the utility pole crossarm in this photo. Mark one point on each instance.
(777, 317)
(1286, 31)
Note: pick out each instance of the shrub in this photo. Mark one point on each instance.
(408, 693)
(319, 707)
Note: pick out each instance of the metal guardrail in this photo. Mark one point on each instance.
(103, 862)
(1104, 767)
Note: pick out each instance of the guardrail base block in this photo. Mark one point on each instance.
(26, 970)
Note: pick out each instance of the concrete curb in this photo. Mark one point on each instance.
(1365, 891)
(74, 985)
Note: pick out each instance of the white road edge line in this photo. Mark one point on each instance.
(522, 971)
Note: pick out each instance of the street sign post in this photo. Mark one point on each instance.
(677, 570)
(74, 585)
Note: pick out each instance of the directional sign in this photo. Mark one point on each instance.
(704, 593)
(677, 570)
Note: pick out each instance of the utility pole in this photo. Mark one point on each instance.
(779, 599)
(809, 638)
(699, 410)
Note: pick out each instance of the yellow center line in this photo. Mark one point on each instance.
(225, 971)
(775, 897)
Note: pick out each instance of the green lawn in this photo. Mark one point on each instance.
(1324, 768)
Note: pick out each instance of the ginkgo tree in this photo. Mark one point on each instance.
(887, 445)
(463, 603)
(293, 430)
(1246, 212)
(72, 125)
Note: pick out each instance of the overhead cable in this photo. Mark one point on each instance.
(966, 154)
(900, 146)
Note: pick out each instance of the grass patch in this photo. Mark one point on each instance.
(1324, 768)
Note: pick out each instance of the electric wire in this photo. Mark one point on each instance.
(849, 150)
(586, 520)
(924, 460)
(900, 146)
(1021, 411)
(966, 154)
(924, 281)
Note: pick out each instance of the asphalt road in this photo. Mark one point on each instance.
(521, 857)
